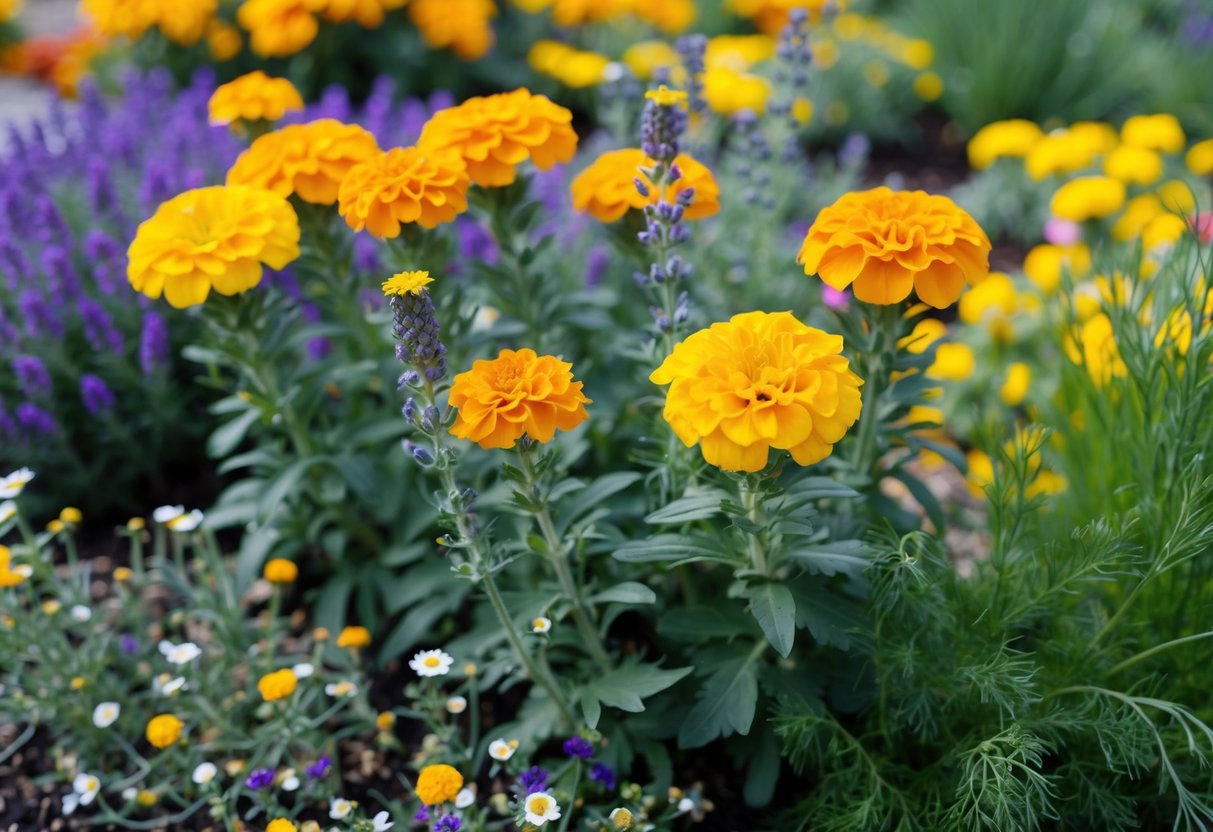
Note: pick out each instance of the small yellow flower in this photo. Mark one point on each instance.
(277, 685)
(1154, 132)
(51, 607)
(77, 683)
(1012, 138)
(928, 86)
(1088, 198)
(164, 730)
(136, 524)
(281, 825)
(280, 571)
(385, 721)
(1133, 164)
(802, 111)
(354, 638)
(1045, 264)
(55, 526)
(1199, 158)
(1015, 388)
(438, 784)
(320, 634)
(663, 96)
(469, 669)
(71, 516)
(953, 362)
(146, 798)
(981, 472)
(407, 283)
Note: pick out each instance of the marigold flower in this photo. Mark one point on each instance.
(495, 133)
(403, 185)
(1096, 348)
(1133, 164)
(1069, 150)
(1045, 263)
(253, 97)
(577, 12)
(438, 784)
(1154, 132)
(223, 40)
(281, 825)
(164, 730)
(517, 392)
(407, 283)
(354, 637)
(305, 159)
(368, 14)
(182, 23)
(648, 56)
(887, 242)
(1012, 138)
(670, 16)
(280, 571)
(770, 16)
(1199, 158)
(953, 362)
(729, 92)
(278, 28)
(759, 381)
(574, 68)
(277, 685)
(606, 190)
(211, 238)
(1088, 198)
(8, 576)
(459, 25)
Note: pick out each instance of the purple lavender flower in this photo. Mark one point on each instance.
(422, 816)
(128, 644)
(448, 823)
(579, 747)
(99, 328)
(604, 774)
(597, 262)
(260, 778)
(95, 394)
(319, 769)
(35, 420)
(32, 375)
(39, 318)
(153, 344)
(534, 779)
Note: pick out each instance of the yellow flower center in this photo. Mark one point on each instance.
(432, 661)
(540, 805)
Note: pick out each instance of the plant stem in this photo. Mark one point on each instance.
(749, 500)
(1158, 648)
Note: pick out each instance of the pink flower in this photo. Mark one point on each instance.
(1062, 232)
(834, 298)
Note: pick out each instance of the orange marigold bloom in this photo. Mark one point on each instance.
(278, 28)
(253, 97)
(277, 685)
(577, 12)
(280, 571)
(517, 392)
(164, 730)
(459, 25)
(667, 15)
(403, 185)
(495, 133)
(770, 16)
(212, 238)
(367, 13)
(183, 23)
(438, 784)
(354, 637)
(305, 159)
(606, 190)
(759, 381)
(223, 40)
(887, 242)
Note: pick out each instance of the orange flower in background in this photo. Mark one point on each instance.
(496, 133)
(278, 28)
(277, 685)
(354, 638)
(223, 40)
(8, 576)
(517, 392)
(459, 25)
(403, 185)
(770, 16)
(759, 381)
(63, 61)
(164, 730)
(888, 242)
(212, 238)
(182, 23)
(366, 13)
(606, 190)
(253, 97)
(577, 12)
(305, 159)
(438, 784)
(670, 16)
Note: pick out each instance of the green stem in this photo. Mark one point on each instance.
(564, 819)
(1158, 648)
(749, 500)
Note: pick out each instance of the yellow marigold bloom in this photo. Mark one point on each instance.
(305, 159)
(918, 54)
(1133, 164)
(928, 86)
(1066, 151)
(281, 825)
(1163, 230)
(953, 362)
(164, 730)
(648, 56)
(1045, 264)
(577, 12)
(495, 133)
(1199, 158)
(992, 298)
(253, 97)
(668, 15)
(459, 25)
(8, 577)
(981, 472)
(802, 110)
(1015, 386)
(438, 784)
(1154, 132)
(728, 92)
(403, 185)
(1137, 214)
(759, 381)
(663, 96)
(738, 52)
(1012, 138)
(182, 23)
(1096, 349)
(278, 28)
(1177, 196)
(277, 685)
(385, 720)
(925, 333)
(71, 516)
(354, 637)
(606, 190)
(515, 393)
(223, 40)
(889, 242)
(280, 571)
(1088, 198)
(366, 13)
(407, 283)
(211, 238)
(571, 67)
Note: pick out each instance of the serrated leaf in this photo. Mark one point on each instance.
(629, 592)
(627, 687)
(726, 704)
(830, 618)
(849, 557)
(686, 510)
(774, 608)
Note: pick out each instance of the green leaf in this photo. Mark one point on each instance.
(817, 488)
(628, 592)
(774, 609)
(830, 617)
(591, 709)
(686, 510)
(704, 622)
(281, 485)
(762, 773)
(626, 687)
(670, 547)
(849, 557)
(229, 435)
(593, 495)
(726, 704)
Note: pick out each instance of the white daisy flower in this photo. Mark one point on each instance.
(340, 808)
(166, 513)
(540, 808)
(456, 705)
(166, 685)
(12, 485)
(129, 793)
(339, 689)
(106, 714)
(431, 663)
(183, 653)
(484, 318)
(86, 787)
(303, 670)
(8, 510)
(290, 783)
(205, 773)
(541, 625)
(383, 822)
(502, 750)
(81, 613)
(621, 818)
(186, 522)
(465, 798)
(686, 805)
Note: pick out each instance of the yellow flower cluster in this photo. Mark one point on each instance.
(459, 25)
(182, 23)
(280, 28)
(253, 97)
(403, 185)
(575, 68)
(308, 160)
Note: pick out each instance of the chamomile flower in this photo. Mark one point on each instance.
(12, 485)
(290, 781)
(382, 822)
(85, 788)
(81, 613)
(344, 688)
(8, 510)
(465, 798)
(172, 685)
(340, 808)
(541, 807)
(204, 773)
(106, 714)
(186, 522)
(456, 705)
(431, 663)
(179, 654)
(541, 625)
(165, 514)
(502, 750)
(303, 670)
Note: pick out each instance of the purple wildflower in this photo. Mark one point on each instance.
(604, 774)
(128, 644)
(31, 375)
(579, 747)
(95, 394)
(596, 266)
(260, 778)
(448, 823)
(35, 420)
(534, 779)
(153, 344)
(40, 319)
(99, 328)
(423, 815)
(319, 769)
